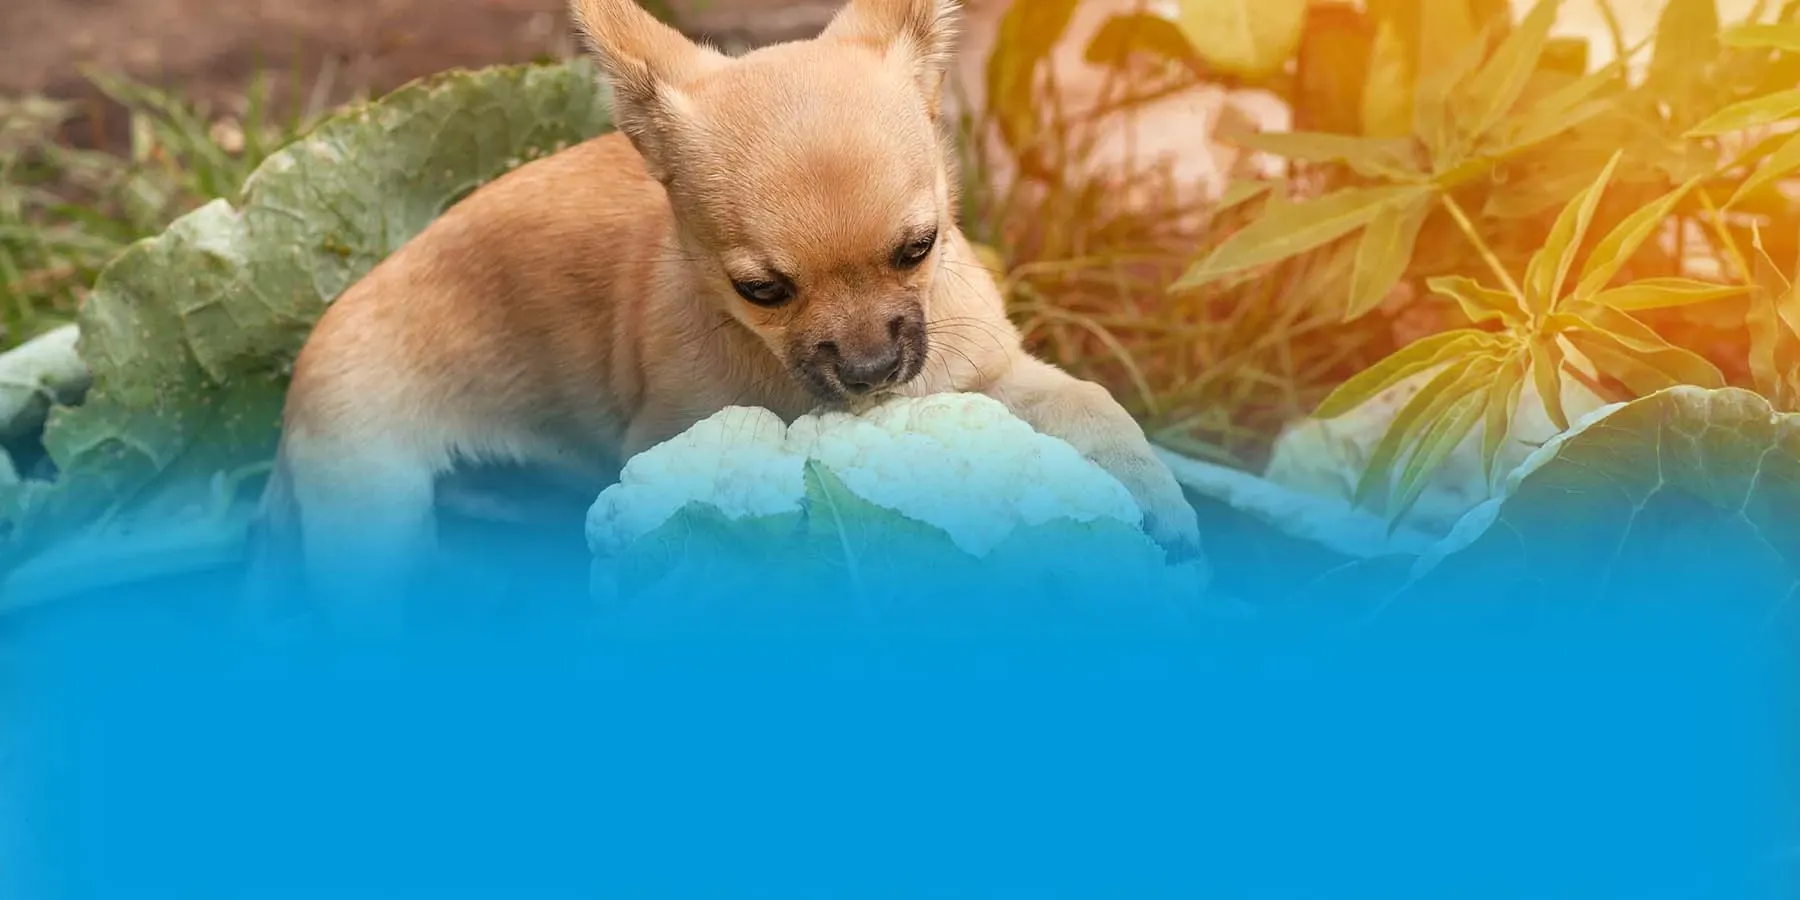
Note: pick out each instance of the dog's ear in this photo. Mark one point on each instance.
(646, 62)
(920, 34)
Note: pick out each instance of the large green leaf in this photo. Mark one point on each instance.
(1686, 494)
(189, 335)
(1685, 478)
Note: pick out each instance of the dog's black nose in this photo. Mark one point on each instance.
(865, 374)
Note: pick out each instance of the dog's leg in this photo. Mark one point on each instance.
(1084, 414)
(366, 521)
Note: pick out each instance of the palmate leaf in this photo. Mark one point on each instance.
(1419, 356)
(1417, 420)
(1447, 431)
(1614, 250)
(1479, 303)
(1383, 254)
(1550, 265)
(1561, 111)
(1291, 229)
(187, 334)
(1492, 93)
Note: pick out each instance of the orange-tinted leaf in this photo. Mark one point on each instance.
(1755, 113)
(1388, 158)
(1480, 304)
(1503, 396)
(1251, 38)
(1331, 68)
(1663, 293)
(1410, 360)
(1644, 372)
(1383, 254)
(1493, 91)
(1451, 425)
(1546, 374)
(1780, 164)
(1617, 248)
(1627, 335)
(1294, 228)
(1387, 97)
(1123, 37)
(1027, 34)
(1457, 380)
(1548, 268)
(1562, 110)
(1784, 36)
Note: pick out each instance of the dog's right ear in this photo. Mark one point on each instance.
(646, 62)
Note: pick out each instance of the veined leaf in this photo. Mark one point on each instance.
(1617, 248)
(1292, 229)
(1784, 36)
(1251, 38)
(1451, 48)
(1546, 374)
(1503, 396)
(1402, 364)
(1479, 303)
(1663, 293)
(1562, 110)
(1458, 380)
(1387, 98)
(1550, 265)
(1755, 113)
(1628, 335)
(1448, 430)
(1383, 254)
(1643, 372)
(1780, 164)
(1493, 91)
(1389, 158)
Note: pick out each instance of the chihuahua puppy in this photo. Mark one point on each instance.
(776, 229)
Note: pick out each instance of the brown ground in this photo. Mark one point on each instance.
(210, 48)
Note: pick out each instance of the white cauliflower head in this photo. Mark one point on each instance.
(960, 462)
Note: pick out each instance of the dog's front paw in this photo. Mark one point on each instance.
(1168, 517)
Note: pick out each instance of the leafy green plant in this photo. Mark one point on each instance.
(1556, 308)
(189, 335)
(66, 211)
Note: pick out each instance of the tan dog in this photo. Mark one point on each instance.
(772, 230)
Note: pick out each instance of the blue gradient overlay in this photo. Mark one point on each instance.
(1325, 739)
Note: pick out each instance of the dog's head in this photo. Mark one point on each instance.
(810, 180)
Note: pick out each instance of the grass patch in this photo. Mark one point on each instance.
(69, 202)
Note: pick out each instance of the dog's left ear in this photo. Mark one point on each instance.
(920, 34)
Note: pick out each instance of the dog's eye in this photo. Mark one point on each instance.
(915, 252)
(764, 292)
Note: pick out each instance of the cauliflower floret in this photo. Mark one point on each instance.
(735, 459)
(961, 462)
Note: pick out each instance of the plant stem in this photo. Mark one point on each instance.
(1481, 247)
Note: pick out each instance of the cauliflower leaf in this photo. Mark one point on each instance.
(188, 336)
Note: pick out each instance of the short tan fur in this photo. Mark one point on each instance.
(776, 229)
